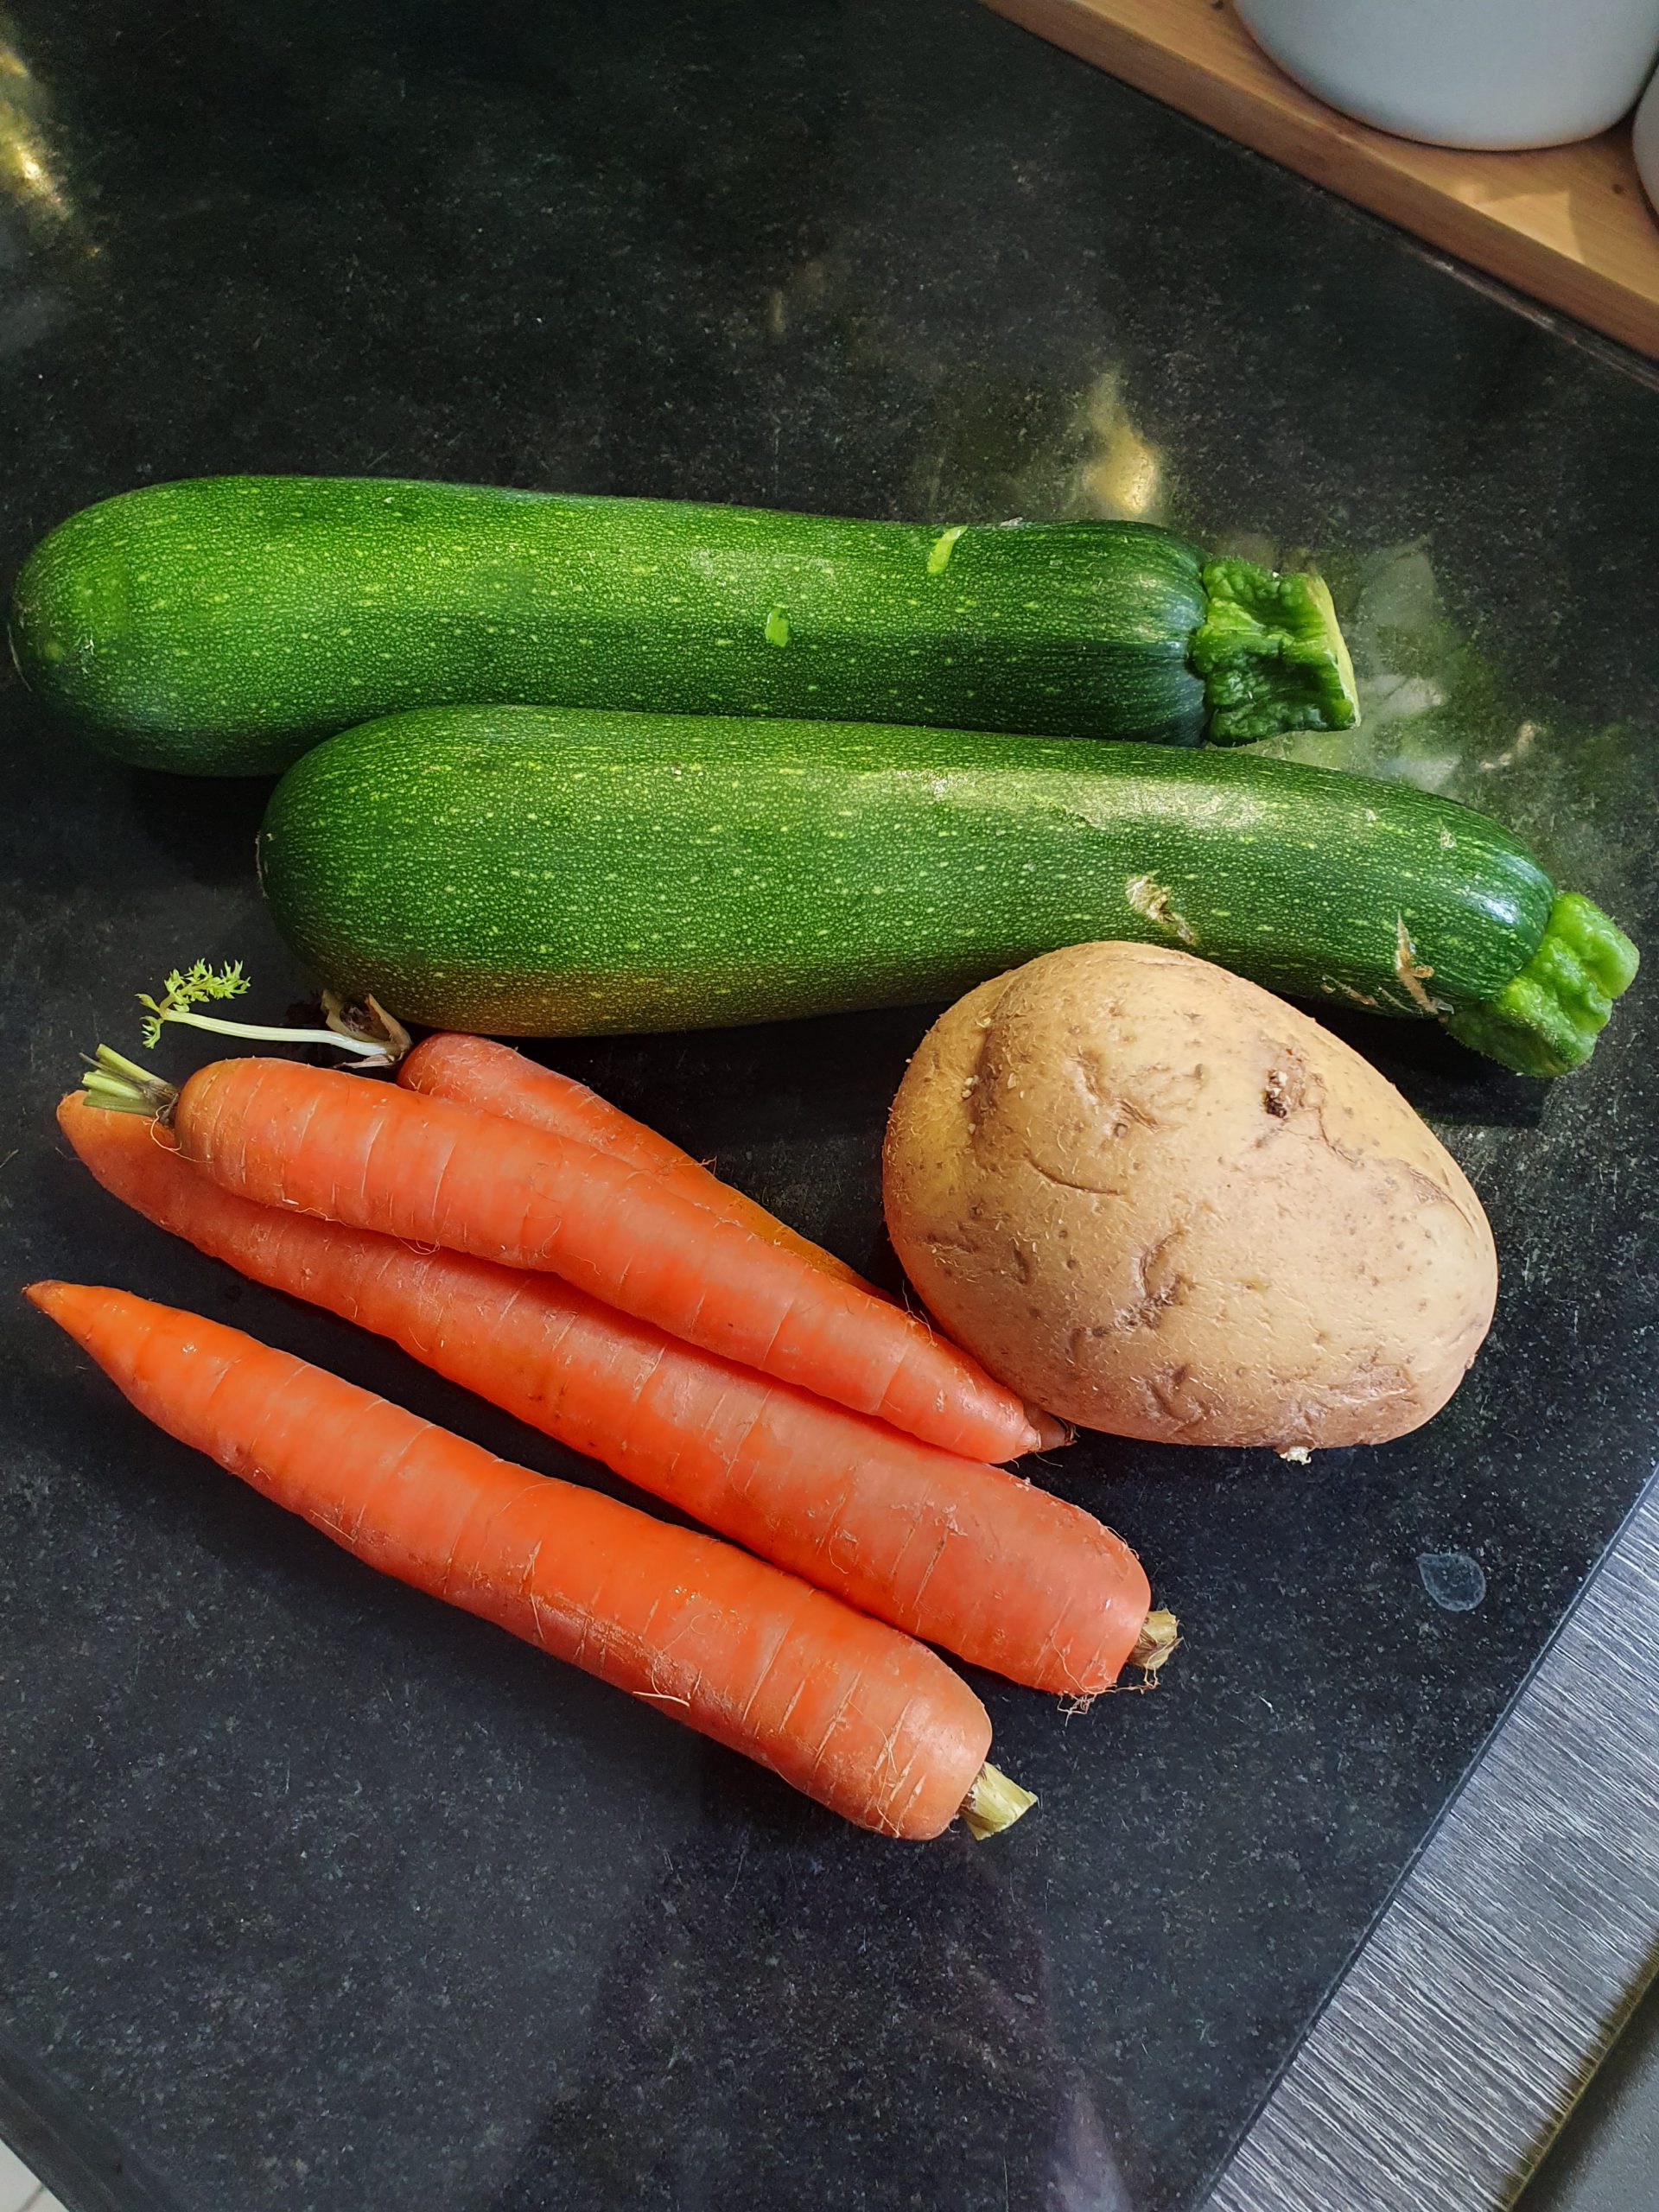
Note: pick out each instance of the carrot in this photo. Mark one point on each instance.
(960, 1553)
(494, 1077)
(869, 1723)
(374, 1156)
(477, 1071)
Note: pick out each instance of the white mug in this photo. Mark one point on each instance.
(1467, 73)
(1646, 137)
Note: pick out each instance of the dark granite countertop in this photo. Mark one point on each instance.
(316, 1896)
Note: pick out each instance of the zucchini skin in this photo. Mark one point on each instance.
(222, 625)
(525, 872)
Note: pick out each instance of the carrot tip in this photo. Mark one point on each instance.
(1051, 1432)
(994, 1803)
(43, 1294)
(1159, 1635)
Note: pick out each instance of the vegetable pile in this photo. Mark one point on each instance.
(561, 766)
(949, 1547)
(602, 764)
(610, 1291)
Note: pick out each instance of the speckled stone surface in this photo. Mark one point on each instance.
(314, 1895)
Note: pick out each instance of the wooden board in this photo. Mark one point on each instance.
(1569, 224)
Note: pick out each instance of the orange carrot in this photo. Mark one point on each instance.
(494, 1077)
(963, 1555)
(377, 1157)
(869, 1722)
(477, 1071)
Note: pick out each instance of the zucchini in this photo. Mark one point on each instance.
(221, 625)
(531, 872)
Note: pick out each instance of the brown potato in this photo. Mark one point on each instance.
(1155, 1199)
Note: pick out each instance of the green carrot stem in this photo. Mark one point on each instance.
(121, 1086)
(371, 1048)
(367, 1030)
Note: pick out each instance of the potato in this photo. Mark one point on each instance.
(1155, 1199)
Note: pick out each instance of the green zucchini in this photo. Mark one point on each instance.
(531, 872)
(221, 625)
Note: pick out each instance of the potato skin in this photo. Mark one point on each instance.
(1155, 1199)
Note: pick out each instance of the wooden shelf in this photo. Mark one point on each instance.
(1570, 224)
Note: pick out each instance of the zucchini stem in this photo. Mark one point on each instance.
(1272, 655)
(1547, 1017)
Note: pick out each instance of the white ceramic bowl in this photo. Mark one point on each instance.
(1646, 138)
(1467, 73)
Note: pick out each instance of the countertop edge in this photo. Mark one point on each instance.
(1510, 1953)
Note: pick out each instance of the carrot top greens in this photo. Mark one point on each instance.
(367, 1030)
(184, 989)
